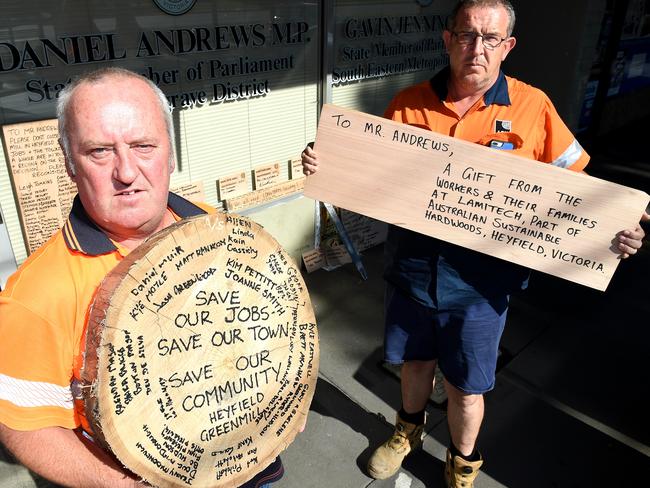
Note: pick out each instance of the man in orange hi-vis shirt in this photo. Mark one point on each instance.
(117, 137)
(445, 305)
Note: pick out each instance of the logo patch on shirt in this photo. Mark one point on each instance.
(503, 126)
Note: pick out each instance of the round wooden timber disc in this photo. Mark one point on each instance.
(201, 354)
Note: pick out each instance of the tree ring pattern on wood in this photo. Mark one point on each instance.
(201, 354)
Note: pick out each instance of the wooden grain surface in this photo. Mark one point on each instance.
(537, 215)
(201, 354)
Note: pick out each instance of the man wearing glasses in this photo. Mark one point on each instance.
(444, 304)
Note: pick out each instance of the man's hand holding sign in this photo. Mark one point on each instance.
(540, 216)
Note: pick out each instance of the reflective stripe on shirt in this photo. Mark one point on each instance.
(569, 156)
(23, 393)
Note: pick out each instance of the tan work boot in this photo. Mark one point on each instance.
(388, 457)
(460, 473)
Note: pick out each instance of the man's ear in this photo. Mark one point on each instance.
(509, 45)
(68, 166)
(68, 169)
(446, 38)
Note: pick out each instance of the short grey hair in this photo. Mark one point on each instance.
(96, 76)
(466, 4)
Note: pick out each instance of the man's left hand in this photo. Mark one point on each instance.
(630, 241)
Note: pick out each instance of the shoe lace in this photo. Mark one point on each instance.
(463, 476)
(401, 437)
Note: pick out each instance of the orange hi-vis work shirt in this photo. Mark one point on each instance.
(510, 114)
(510, 111)
(43, 314)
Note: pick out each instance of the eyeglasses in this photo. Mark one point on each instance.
(490, 41)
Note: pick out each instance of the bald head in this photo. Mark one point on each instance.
(66, 105)
(469, 4)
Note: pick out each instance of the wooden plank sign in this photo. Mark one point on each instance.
(265, 195)
(314, 259)
(233, 185)
(201, 354)
(43, 189)
(266, 175)
(537, 215)
(295, 165)
(191, 191)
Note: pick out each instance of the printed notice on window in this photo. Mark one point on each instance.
(544, 217)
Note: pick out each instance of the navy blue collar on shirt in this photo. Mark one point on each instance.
(498, 93)
(82, 234)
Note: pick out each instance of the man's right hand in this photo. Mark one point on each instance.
(66, 457)
(309, 160)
